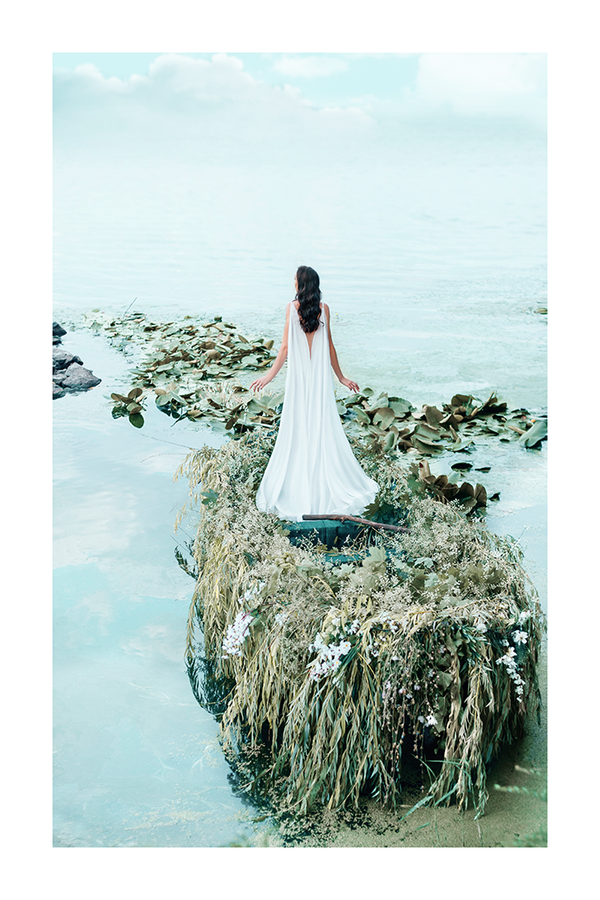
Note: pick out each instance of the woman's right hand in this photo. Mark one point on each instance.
(351, 385)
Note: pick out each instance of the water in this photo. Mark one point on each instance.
(431, 247)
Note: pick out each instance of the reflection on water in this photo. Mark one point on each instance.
(137, 760)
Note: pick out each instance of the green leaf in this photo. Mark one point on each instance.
(389, 442)
(401, 407)
(384, 415)
(535, 434)
(136, 420)
(426, 432)
(133, 394)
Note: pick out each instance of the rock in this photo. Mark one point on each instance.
(68, 371)
(77, 378)
(62, 358)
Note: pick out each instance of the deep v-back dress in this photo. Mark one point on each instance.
(312, 468)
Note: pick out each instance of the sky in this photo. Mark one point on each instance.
(509, 85)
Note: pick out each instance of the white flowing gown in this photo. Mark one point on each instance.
(312, 468)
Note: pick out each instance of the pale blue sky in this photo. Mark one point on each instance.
(381, 75)
(506, 84)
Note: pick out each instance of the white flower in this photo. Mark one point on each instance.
(236, 634)
(510, 661)
(431, 720)
(519, 637)
(328, 657)
(251, 592)
(281, 617)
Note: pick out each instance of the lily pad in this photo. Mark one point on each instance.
(384, 416)
(536, 434)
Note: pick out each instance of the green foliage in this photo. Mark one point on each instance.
(193, 369)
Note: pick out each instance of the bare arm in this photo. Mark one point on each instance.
(352, 385)
(281, 357)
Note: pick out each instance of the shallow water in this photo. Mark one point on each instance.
(137, 761)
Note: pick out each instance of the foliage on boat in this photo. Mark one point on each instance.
(424, 641)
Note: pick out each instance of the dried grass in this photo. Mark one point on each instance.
(427, 614)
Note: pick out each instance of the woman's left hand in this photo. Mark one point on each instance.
(351, 385)
(260, 383)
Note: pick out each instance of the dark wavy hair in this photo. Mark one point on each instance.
(309, 298)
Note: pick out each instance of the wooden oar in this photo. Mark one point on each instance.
(359, 521)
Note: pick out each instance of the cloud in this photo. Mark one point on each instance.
(512, 84)
(318, 66)
(186, 105)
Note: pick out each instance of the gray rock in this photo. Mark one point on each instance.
(58, 330)
(62, 358)
(57, 391)
(77, 378)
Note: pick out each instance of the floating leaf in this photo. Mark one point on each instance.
(433, 415)
(536, 434)
(425, 446)
(426, 431)
(385, 416)
(136, 420)
(389, 442)
(401, 407)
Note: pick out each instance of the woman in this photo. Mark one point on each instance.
(312, 469)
